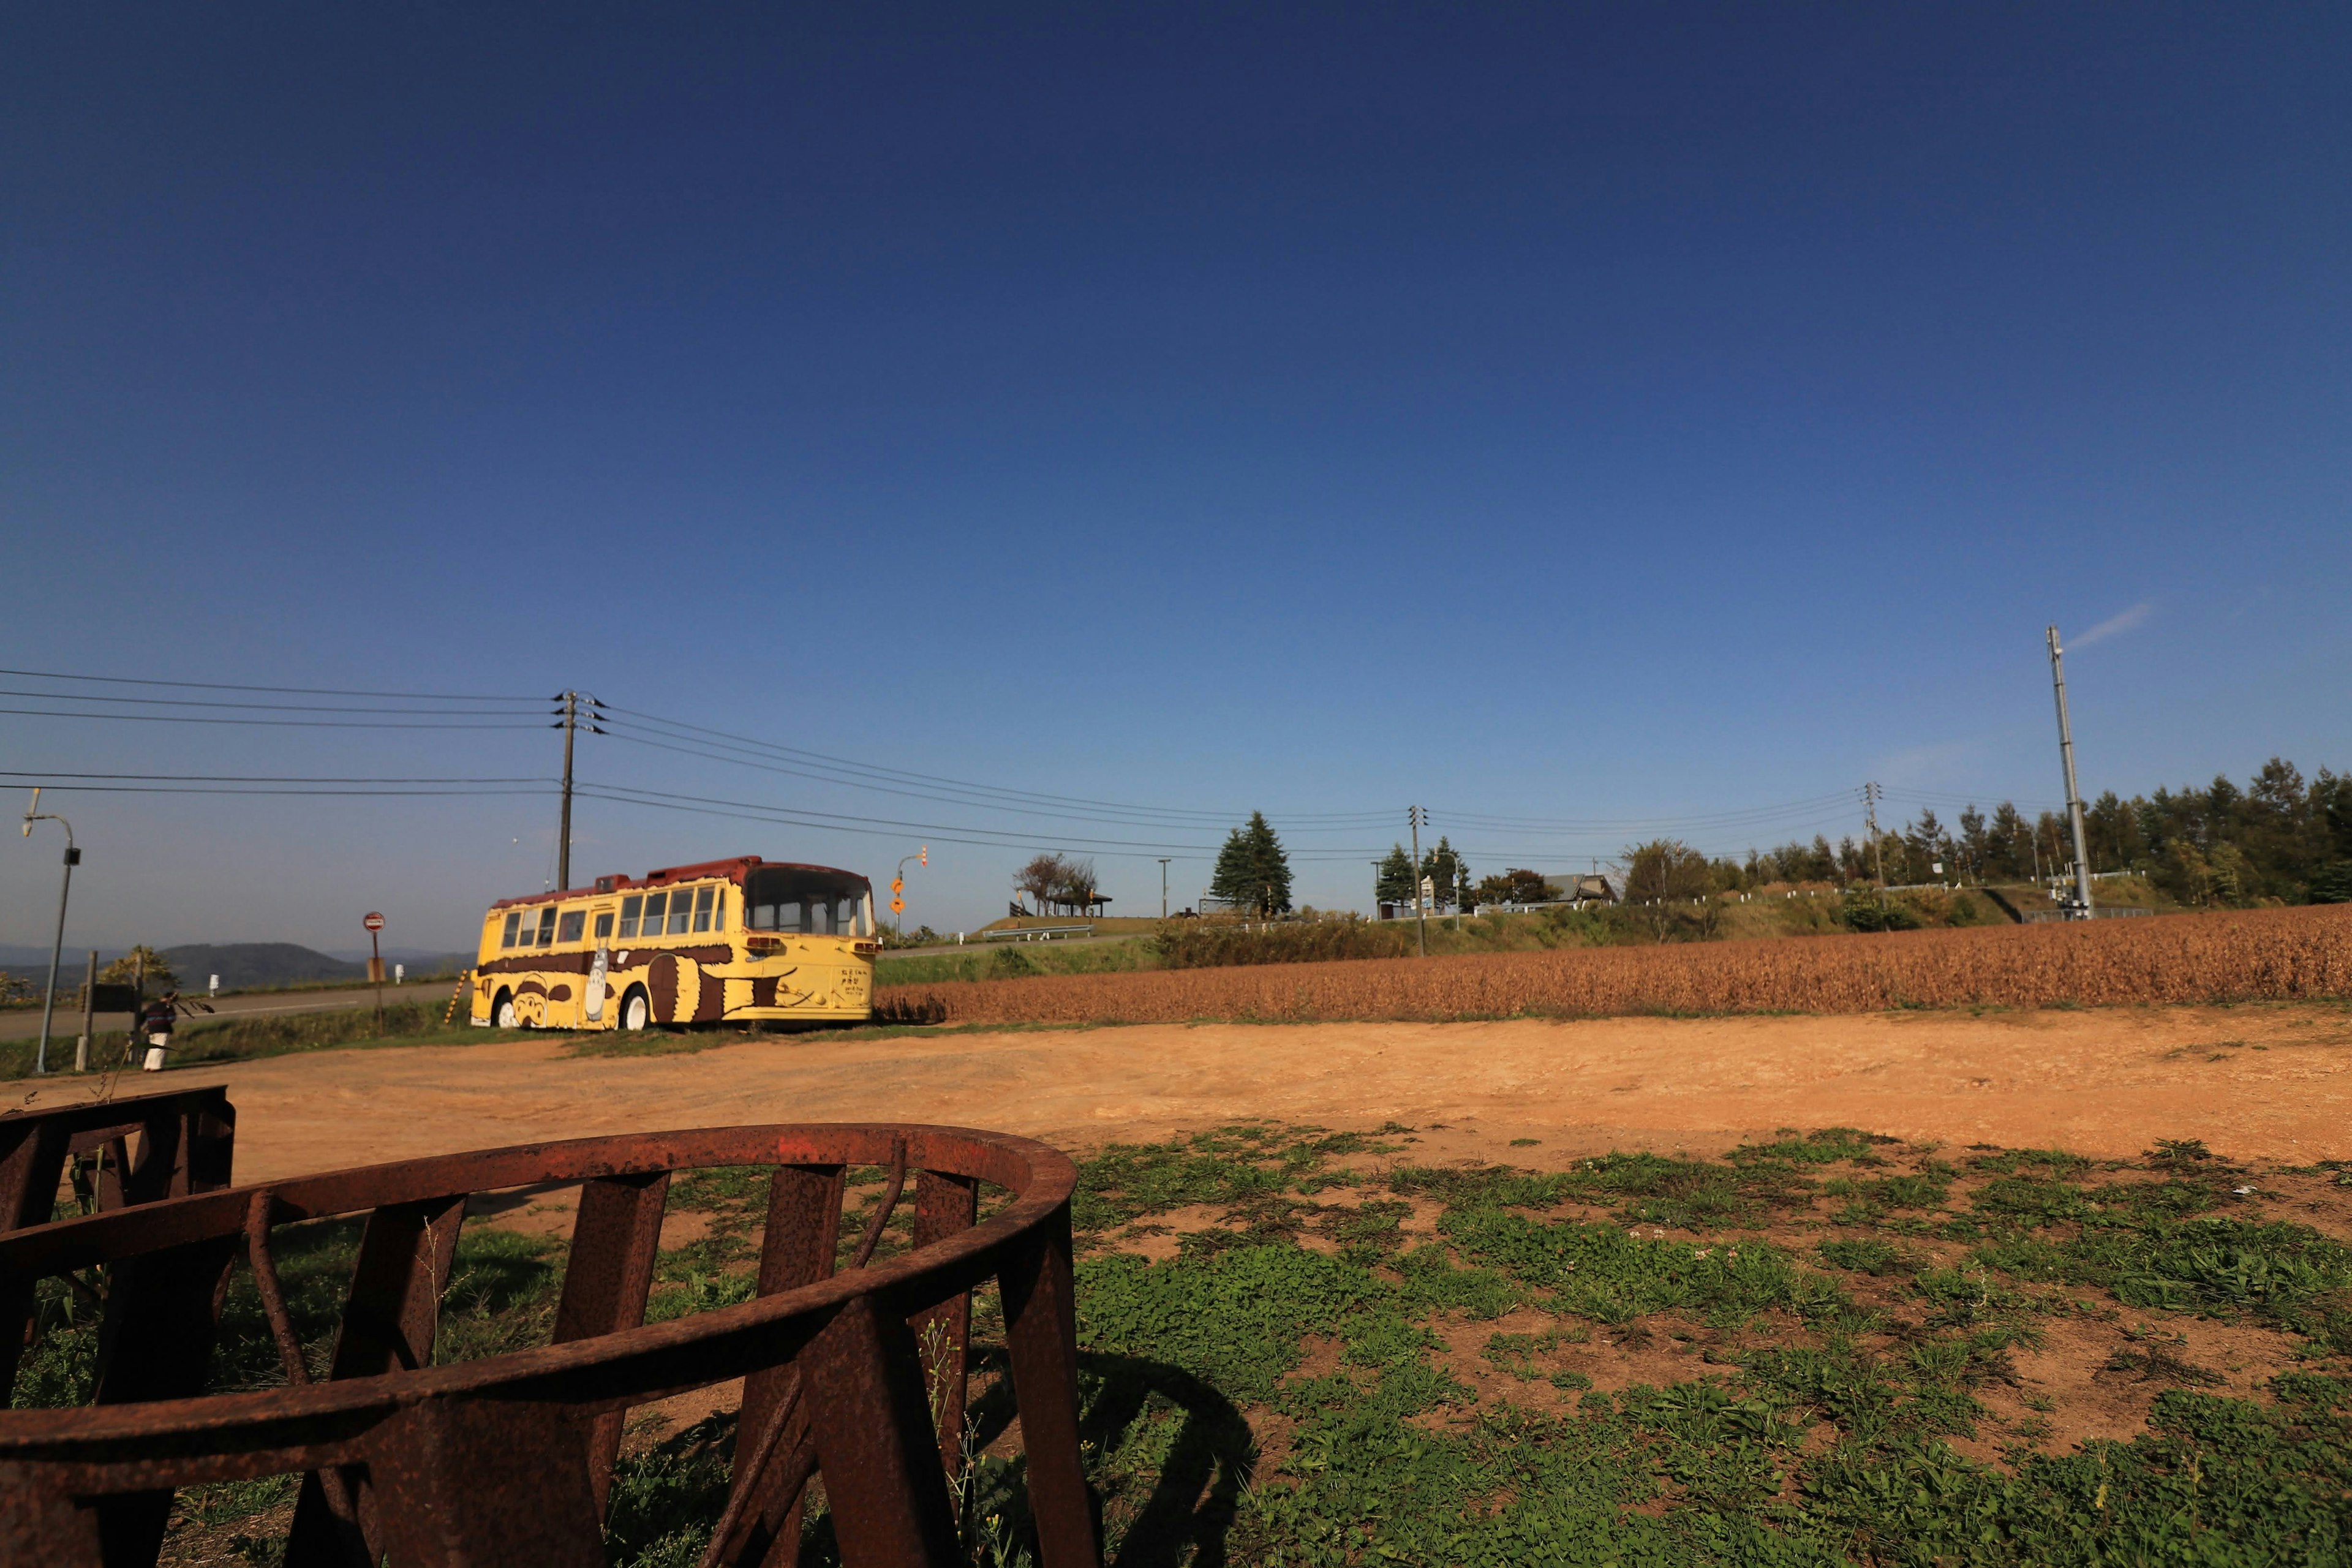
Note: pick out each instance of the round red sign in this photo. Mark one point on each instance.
(375, 921)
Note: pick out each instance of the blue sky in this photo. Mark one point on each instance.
(1586, 417)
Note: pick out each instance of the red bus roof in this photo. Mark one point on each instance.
(734, 870)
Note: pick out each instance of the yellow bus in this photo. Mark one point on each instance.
(727, 941)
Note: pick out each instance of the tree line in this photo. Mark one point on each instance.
(2280, 838)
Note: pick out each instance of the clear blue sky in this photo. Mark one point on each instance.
(1581, 415)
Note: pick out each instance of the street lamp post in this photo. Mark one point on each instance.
(33, 813)
(898, 885)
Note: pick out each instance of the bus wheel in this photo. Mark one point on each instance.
(503, 1012)
(634, 1008)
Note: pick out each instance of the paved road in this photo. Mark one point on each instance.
(24, 1024)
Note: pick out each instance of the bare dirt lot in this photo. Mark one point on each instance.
(2261, 1082)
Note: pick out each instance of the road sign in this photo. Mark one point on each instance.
(375, 921)
(897, 906)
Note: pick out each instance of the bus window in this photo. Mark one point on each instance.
(655, 904)
(629, 908)
(681, 912)
(604, 925)
(547, 926)
(702, 899)
(574, 922)
(514, 918)
(719, 912)
(806, 899)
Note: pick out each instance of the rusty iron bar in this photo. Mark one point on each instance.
(754, 1478)
(874, 1227)
(264, 1282)
(739, 1496)
(500, 1459)
(290, 1345)
(186, 1142)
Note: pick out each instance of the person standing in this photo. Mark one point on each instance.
(155, 1022)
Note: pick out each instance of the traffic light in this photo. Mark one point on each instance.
(924, 859)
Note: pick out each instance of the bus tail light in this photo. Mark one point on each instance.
(866, 949)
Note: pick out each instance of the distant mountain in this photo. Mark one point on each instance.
(244, 963)
(35, 961)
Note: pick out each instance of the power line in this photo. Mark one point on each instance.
(268, 778)
(621, 729)
(269, 723)
(807, 818)
(282, 691)
(261, 707)
(867, 771)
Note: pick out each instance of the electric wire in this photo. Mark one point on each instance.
(874, 771)
(282, 691)
(268, 723)
(261, 707)
(1288, 824)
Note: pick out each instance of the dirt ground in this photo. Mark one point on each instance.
(2268, 1082)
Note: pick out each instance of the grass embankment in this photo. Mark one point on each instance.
(200, 1041)
(2251, 955)
(1303, 1348)
(1012, 960)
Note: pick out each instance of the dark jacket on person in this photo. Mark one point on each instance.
(158, 1017)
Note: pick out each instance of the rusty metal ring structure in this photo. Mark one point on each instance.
(858, 1375)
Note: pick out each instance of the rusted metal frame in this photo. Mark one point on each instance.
(616, 1239)
(27, 1142)
(637, 1366)
(337, 1487)
(738, 1537)
(946, 1204)
(687, 1354)
(775, 1534)
(34, 1148)
(155, 1342)
(872, 1426)
(76, 1243)
(762, 1522)
(240, 1435)
(1040, 1333)
(486, 1482)
(391, 1312)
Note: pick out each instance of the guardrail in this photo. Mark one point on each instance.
(857, 1375)
(1037, 933)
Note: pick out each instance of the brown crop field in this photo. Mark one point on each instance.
(2276, 954)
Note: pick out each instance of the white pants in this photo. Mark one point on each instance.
(157, 1045)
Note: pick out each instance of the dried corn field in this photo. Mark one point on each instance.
(2252, 955)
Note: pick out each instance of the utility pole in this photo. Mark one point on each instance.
(571, 722)
(1416, 816)
(88, 1016)
(1163, 884)
(2082, 910)
(1869, 793)
(33, 813)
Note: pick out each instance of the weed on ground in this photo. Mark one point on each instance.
(1302, 1347)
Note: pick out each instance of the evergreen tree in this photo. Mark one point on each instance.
(1445, 870)
(1253, 872)
(1394, 884)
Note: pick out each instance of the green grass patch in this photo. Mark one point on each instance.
(1817, 1320)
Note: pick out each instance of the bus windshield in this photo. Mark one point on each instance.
(808, 902)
